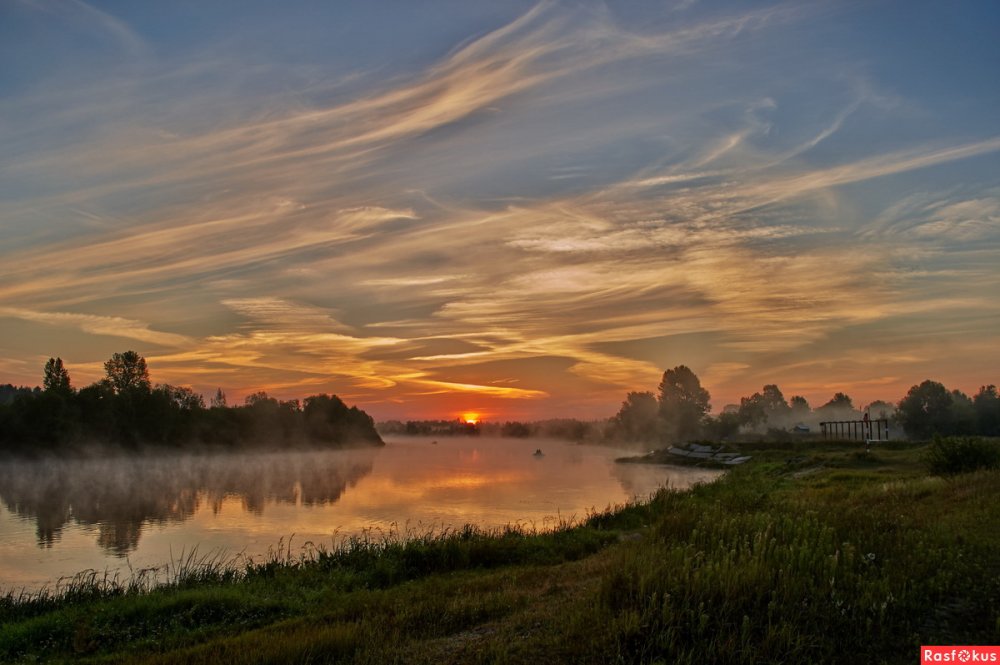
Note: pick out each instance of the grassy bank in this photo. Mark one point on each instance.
(809, 553)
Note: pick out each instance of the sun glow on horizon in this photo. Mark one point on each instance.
(471, 418)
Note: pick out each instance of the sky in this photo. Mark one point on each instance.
(517, 209)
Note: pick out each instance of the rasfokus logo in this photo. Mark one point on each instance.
(959, 654)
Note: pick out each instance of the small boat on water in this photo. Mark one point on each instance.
(434, 442)
(538, 453)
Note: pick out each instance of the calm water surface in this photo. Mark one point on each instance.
(61, 517)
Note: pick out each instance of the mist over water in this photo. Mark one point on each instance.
(58, 517)
(119, 497)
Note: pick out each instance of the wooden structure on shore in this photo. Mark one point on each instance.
(876, 429)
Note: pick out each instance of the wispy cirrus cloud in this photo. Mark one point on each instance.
(567, 180)
(111, 326)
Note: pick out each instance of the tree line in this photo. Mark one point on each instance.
(679, 411)
(125, 409)
(569, 429)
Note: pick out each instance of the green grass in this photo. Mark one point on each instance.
(810, 553)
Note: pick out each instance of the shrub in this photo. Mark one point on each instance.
(955, 454)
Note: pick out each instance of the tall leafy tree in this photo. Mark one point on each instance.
(683, 403)
(752, 411)
(768, 406)
(840, 407)
(725, 425)
(127, 372)
(181, 397)
(133, 401)
(51, 416)
(328, 419)
(639, 417)
(56, 378)
(962, 414)
(799, 406)
(926, 410)
(774, 403)
(839, 401)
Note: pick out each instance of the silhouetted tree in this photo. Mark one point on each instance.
(56, 378)
(182, 398)
(767, 406)
(799, 407)
(97, 411)
(725, 425)
(840, 407)
(752, 411)
(775, 405)
(127, 372)
(683, 403)
(328, 419)
(290, 419)
(51, 417)
(925, 410)
(219, 401)
(987, 406)
(127, 377)
(259, 398)
(9, 392)
(962, 414)
(639, 418)
(46, 419)
(839, 401)
(262, 421)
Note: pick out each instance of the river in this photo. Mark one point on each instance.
(60, 517)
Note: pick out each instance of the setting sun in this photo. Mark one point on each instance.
(471, 418)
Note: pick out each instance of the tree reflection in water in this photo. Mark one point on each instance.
(121, 495)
